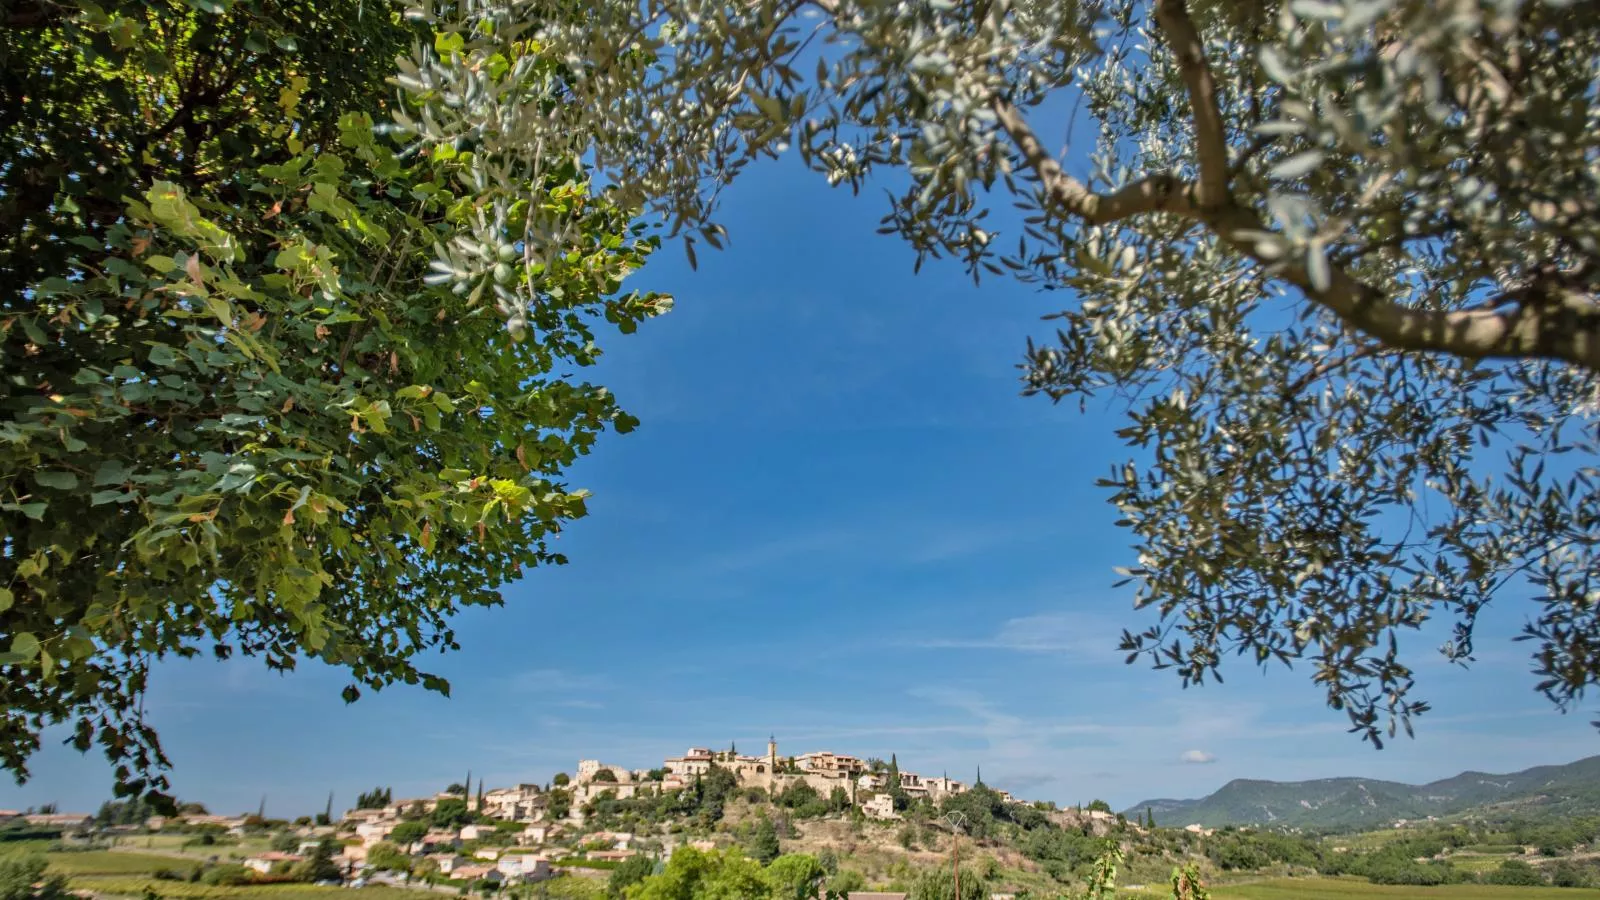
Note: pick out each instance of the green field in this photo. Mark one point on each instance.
(182, 890)
(109, 862)
(1343, 888)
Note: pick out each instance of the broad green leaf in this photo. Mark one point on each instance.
(61, 481)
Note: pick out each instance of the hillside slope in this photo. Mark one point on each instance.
(1540, 792)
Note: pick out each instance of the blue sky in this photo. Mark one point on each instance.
(838, 524)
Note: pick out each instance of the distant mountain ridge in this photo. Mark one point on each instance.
(1541, 792)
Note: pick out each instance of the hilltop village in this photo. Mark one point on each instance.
(864, 782)
(546, 814)
(866, 818)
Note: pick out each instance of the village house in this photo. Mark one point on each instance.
(477, 873)
(524, 867)
(824, 761)
(618, 840)
(522, 802)
(353, 855)
(697, 761)
(489, 853)
(60, 820)
(436, 840)
(229, 822)
(944, 786)
(913, 786)
(881, 806)
(534, 835)
(399, 808)
(448, 862)
(265, 862)
(617, 855)
(373, 832)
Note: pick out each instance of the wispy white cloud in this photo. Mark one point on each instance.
(885, 539)
(545, 682)
(1084, 637)
(1198, 757)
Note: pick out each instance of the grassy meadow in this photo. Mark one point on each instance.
(1347, 888)
(108, 862)
(132, 886)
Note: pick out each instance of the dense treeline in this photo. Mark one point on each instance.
(1424, 856)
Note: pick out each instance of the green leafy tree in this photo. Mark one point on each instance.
(698, 875)
(559, 803)
(939, 884)
(320, 866)
(133, 811)
(387, 857)
(22, 877)
(1098, 806)
(763, 843)
(285, 842)
(562, 779)
(1340, 257)
(844, 882)
(605, 775)
(1571, 875)
(897, 792)
(450, 812)
(407, 833)
(1514, 872)
(803, 799)
(377, 798)
(628, 873)
(242, 413)
(795, 876)
(829, 862)
(838, 800)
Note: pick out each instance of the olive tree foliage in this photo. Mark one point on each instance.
(1337, 258)
(241, 413)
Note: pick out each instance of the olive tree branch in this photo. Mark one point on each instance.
(1567, 330)
(1210, 136)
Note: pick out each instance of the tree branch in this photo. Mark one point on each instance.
(1210, 137)
(1156, 193)
(1567, 330)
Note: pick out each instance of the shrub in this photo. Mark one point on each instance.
(227, 874)
(1571, 875)
(1514, 872)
